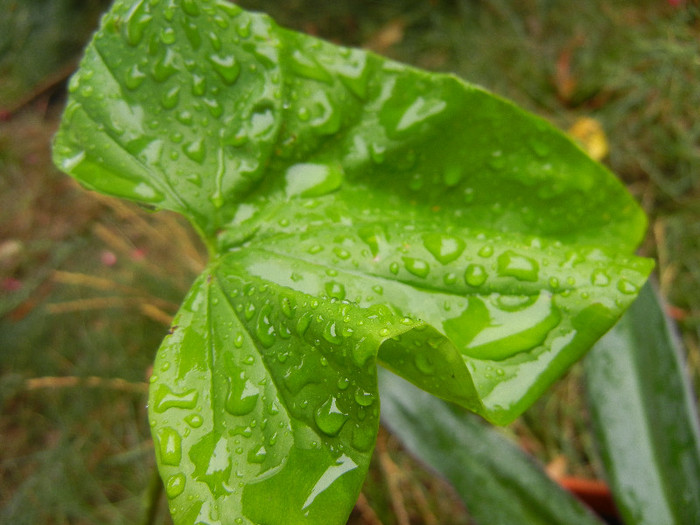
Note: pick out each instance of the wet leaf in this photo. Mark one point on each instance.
(258, 392)
(645, 417)
(356, 211)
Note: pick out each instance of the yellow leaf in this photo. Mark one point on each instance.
(589, 133)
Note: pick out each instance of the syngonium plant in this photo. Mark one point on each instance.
(357, 212)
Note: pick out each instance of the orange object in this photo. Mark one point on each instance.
(593, 493)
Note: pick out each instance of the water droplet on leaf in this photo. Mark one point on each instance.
(191, 7)
(511, 264)
(331, 333)
(342, 253)
(165, 399)
(175, 485)
(170, 98)
(475, 275)
(165, 66)
(452, 175)
(137, 20)
(307, 67)
(417, 267)
(363, 398)
(192, 34)
(264, 329)
(257, 455)
(627, 287)
(170, 446)
(243, 29)
(540, 148)
(418, 112)
(226, 66)
(363, 437)
(303, 323)
(504, 326)
(444, 248)
(195, 150)
(287, 307)
(377, 153)
(313, 180)
(134, 77)
(329, 418)
(167, 35)
(486, 251)
(242, 395)
(199, 84)
(194, 420)
(335, 290)
(185, 117)
(424, 363)
(600, 278)
(215, 41)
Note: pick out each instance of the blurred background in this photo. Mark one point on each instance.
(88, 284)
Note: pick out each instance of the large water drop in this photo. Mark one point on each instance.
(165, 399)
(137, 20)
(242, 395)
(226, 66)
(264, 328)
(417, 267)
(313, 180)
(523, 268)
(445, 248)
(170, 446)
(175, 485)
(501, 326)
(329, 418)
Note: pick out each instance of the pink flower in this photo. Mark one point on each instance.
(108, 258)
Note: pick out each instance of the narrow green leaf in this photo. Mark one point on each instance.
(645, 417)
(500, 484)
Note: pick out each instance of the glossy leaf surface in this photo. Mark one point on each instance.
(356, 210)
(251, 386)
(646, 418)
(498, 482)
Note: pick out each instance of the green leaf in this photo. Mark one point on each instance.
(497, 481)
(252, 396)
(645, 417)
(492, 331)
(403, 217)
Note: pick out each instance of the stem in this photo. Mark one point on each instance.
(153, 497)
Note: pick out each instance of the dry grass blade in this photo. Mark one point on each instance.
(103, 303)
(163, 230)
(101, 283)
(393, 476)
(369, 517)
(156, 314)
(115, 383)
(92, 281)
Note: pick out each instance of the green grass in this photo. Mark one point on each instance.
(81, 453)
